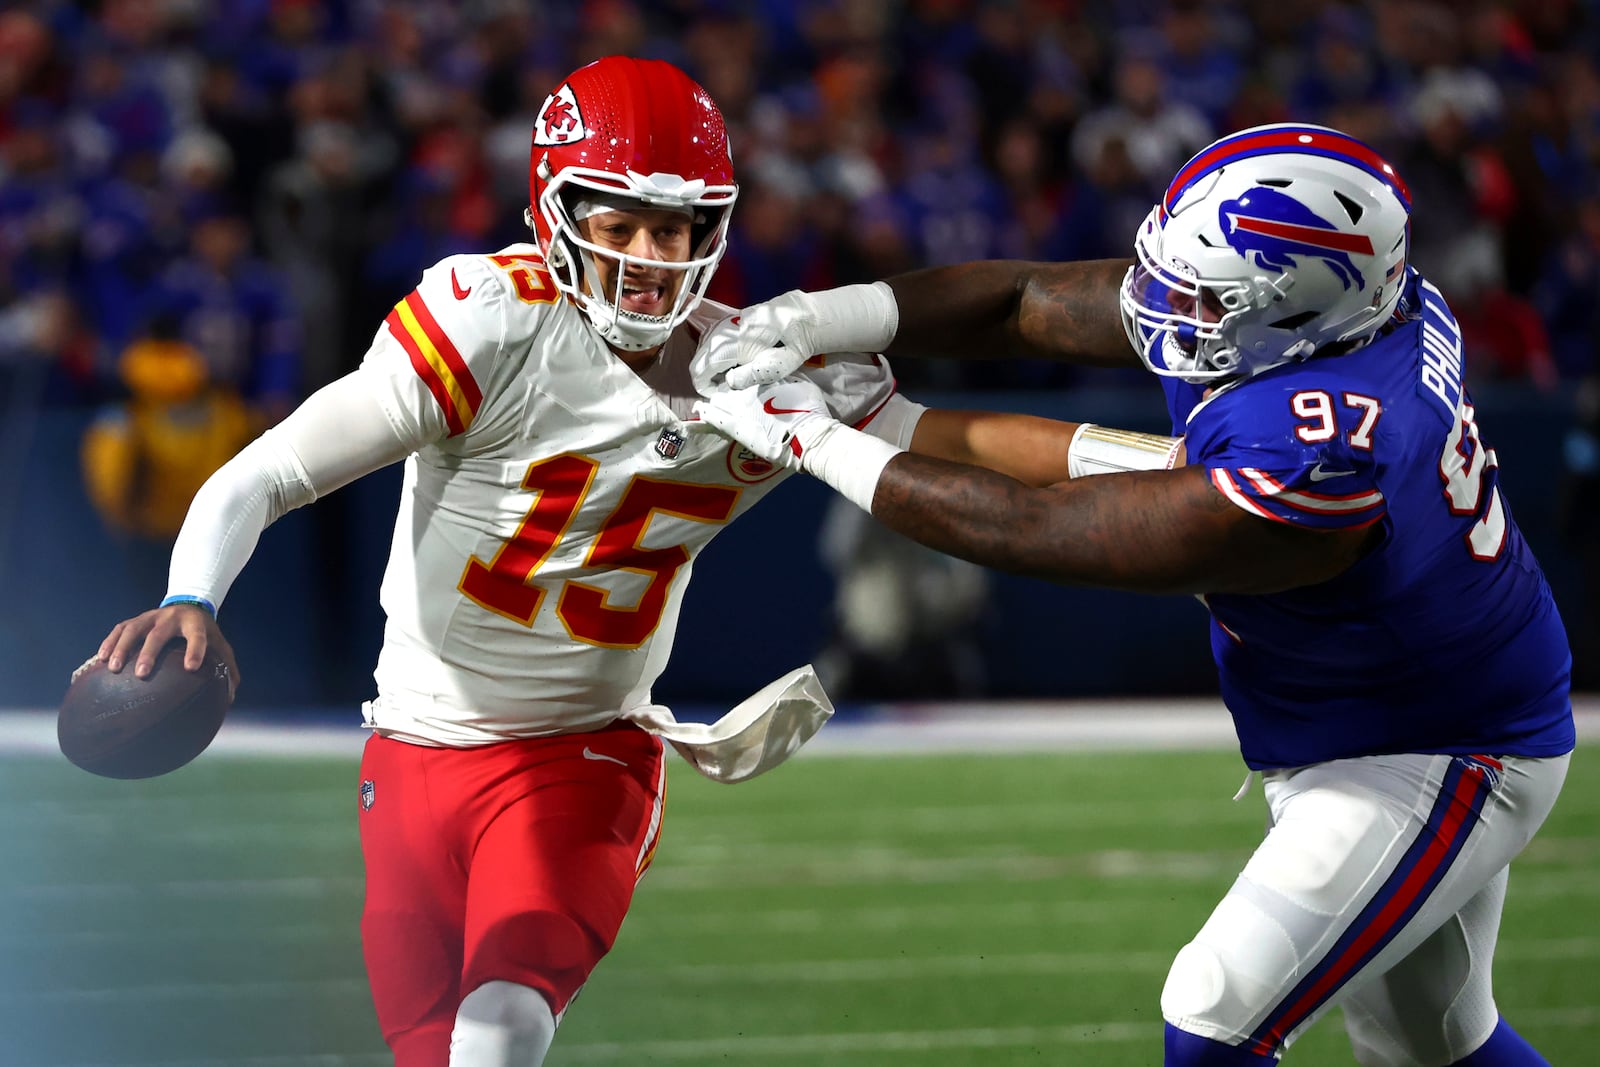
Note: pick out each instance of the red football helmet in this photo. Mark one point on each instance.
(642, 130)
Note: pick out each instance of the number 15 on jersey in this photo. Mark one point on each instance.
(507, 585)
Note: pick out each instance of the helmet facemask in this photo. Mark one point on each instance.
(572, 259)
(1194, 327)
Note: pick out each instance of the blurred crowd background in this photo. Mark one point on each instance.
(207, 206)
(263, 179)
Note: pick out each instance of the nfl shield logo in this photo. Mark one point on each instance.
(369, 793)
(669, 444)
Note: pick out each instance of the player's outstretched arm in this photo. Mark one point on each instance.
(982, 310)
(1038, 451)
(1008, 308)
(988, 309)
(1146, 531)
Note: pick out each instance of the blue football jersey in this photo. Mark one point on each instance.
(1443, 638)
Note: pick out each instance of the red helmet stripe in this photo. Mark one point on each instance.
(1296, 138)
(1310, 235)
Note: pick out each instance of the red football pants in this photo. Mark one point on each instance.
(512, 862)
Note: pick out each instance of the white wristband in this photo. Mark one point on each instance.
(849, 460)
(1104, 450)
(854, 318)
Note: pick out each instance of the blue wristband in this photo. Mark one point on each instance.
(197, 601)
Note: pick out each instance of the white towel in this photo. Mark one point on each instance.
(764, 730)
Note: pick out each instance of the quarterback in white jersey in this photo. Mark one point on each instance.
(563, 494)
(557, 490)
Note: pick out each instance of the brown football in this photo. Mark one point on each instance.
(121, 726)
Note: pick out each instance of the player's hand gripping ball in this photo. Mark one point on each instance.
(122, 726)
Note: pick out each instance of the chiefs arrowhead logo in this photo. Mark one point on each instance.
(747, 467)
(560, 121)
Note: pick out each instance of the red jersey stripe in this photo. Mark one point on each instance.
(447, 350)
(425, 371)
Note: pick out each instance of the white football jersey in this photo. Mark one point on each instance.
(549, 525)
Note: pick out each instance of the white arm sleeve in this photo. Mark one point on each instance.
(339, 434)
(896, 421)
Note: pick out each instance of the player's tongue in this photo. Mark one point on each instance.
(643, 296)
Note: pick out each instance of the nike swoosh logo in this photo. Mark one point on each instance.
(770, 410)
(589, 753)
(461, 294)
(1320, 475)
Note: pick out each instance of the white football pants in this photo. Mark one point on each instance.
(1378, 887)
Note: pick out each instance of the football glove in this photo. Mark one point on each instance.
(776, 422)
(717, 353)
(788, 423)
(776, 337)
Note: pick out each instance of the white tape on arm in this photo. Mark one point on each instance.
(1105, 450)
(849, 460)
(781, 334)
(854, 318)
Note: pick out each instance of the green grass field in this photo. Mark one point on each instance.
(855, 911)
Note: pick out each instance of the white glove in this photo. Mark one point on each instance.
(718, 352)
(788, 423)
(776, 337)
(776, 422)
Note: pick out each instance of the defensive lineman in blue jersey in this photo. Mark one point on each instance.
(1386, 643)
(1382, 436)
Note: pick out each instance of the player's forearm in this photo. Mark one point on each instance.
(1148, 531)
(339, 434)
(1031, 449)
(1038, 451)
(1008, 308)
(225, 520)
(1086, 532)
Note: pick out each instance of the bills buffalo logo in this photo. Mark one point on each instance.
(559, 121)
(1269, 228)
(369, 794)
(1485, 767)
(746, 466)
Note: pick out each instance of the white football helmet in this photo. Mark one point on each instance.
(1269, 245)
